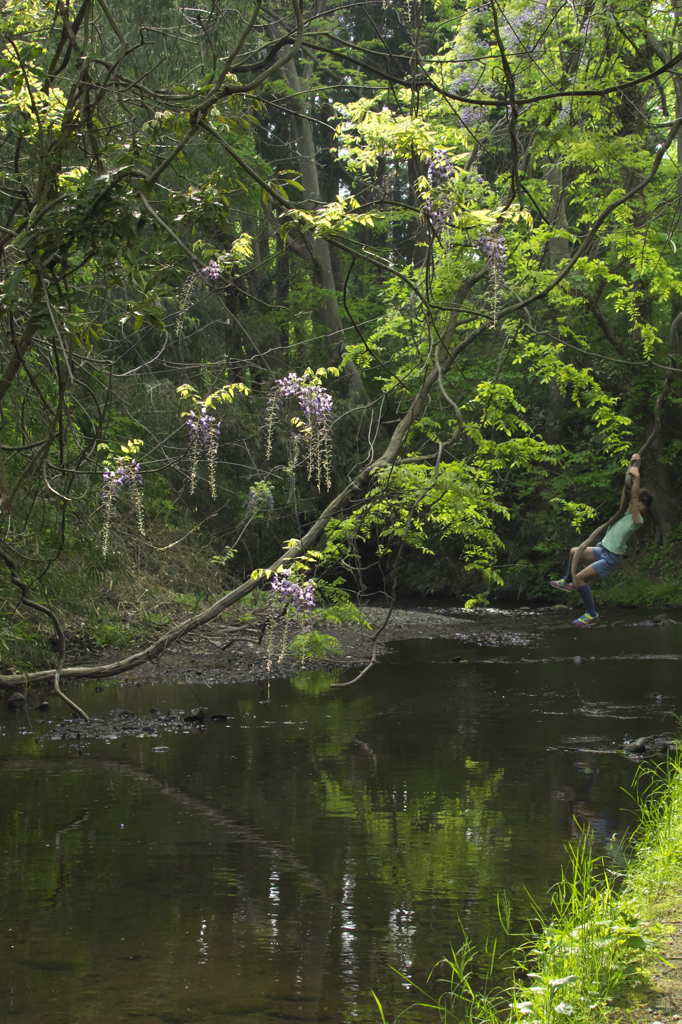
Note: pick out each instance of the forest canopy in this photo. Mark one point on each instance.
(340, 298)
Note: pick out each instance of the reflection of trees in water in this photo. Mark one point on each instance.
(316, 841)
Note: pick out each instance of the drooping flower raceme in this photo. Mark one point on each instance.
(126, 473)
(494, 248)
(211, 272)
(439, 204)
(260, 499)
(294, 602)
(528, 26)
(285, 592)
(316, 405)
(204, 431)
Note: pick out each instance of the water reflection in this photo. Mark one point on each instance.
(277, 864)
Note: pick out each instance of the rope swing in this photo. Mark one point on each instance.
(636, 459)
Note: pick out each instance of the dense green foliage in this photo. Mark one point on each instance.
(467, 216)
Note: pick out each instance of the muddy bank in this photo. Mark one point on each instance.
(213, 650)
(211, 654)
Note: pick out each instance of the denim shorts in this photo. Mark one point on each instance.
(605, 562)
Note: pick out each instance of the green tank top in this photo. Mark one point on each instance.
(617, 536)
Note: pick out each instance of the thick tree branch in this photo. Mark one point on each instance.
(606, 328)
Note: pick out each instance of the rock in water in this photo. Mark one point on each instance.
(196, 715)
(18, 702)
(663, 620)
(653, 746)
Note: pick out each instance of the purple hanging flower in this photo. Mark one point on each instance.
(211, 272)
(494, 248)
(439, 206)
(316, 405)
(260, 497)
(295, 602)
(126, 473)
(204, 432)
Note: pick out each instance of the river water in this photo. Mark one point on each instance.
(279, 865)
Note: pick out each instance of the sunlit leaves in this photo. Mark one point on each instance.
(364, 134)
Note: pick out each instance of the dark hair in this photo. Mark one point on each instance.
(645, 497)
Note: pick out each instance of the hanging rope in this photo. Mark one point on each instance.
(627, 487)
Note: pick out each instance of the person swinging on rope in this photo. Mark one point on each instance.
(606, 557)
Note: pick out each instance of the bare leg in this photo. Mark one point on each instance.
(588, 556)
(586, 574)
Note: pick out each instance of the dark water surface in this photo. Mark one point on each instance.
(275, 867)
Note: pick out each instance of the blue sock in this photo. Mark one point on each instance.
(588, 600)
(568, 577)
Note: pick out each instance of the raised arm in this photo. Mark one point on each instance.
(634, 493)
(631, 476)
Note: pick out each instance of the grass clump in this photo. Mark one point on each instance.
(654, 882)
(597, 943)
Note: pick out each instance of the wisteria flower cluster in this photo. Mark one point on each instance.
(211, 272)
(441, 167)
(316, 405)
(260, 499)
(388, 182)
(439, 205)
(471, 115)
(126, 473)
(204, 431)
(529, 20)
(467, 80)
(295, 602)
(494, 248)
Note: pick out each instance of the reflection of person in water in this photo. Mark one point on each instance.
(584, 817)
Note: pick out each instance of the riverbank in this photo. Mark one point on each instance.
(246, 657)
(654, 890)
(213, 649)
(612, 948)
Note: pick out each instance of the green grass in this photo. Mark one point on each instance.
(598, 942)
(636, 590)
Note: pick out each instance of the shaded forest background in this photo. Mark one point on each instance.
(463, 219)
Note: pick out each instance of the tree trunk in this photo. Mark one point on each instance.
(556, 214)
(327, 310)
